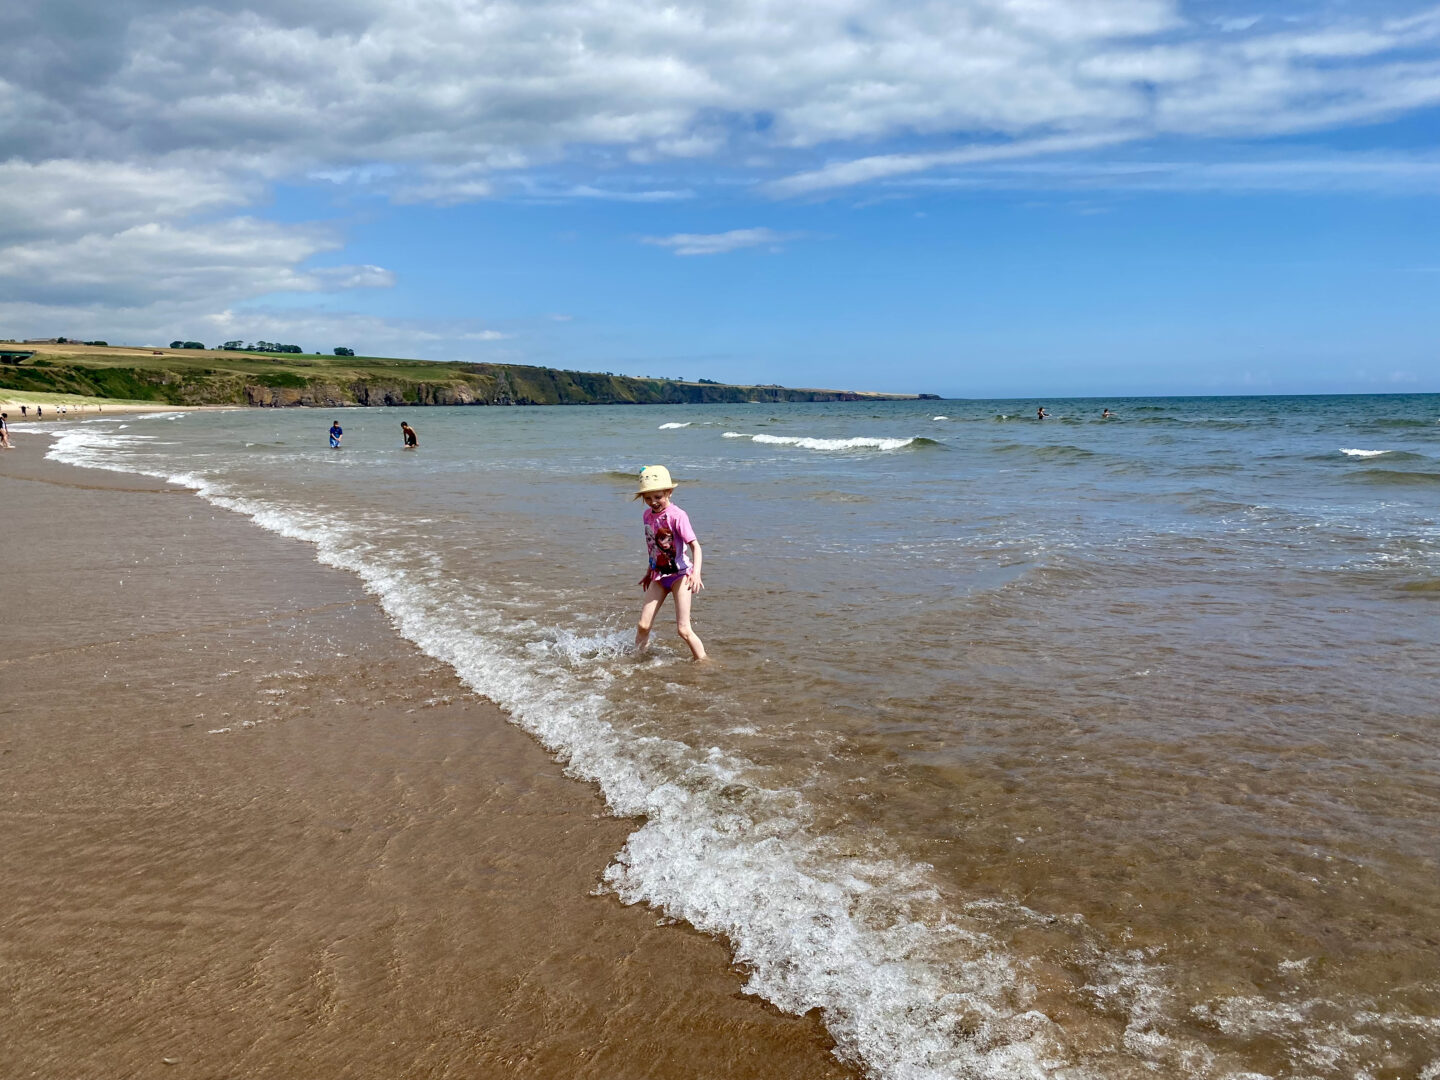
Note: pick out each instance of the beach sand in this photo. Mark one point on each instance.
(251, 832)
(77, 405)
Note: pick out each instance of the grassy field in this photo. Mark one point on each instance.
(217, 377)
(12, 398)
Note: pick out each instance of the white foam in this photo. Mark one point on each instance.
(672, 426)
(1362, 453)
(857, 443)
(939, 418)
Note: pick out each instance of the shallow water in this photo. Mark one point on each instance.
(1030, 749)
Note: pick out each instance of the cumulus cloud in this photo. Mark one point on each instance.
(142, 136)
(480, 87)
(127, 235)
(720, 243)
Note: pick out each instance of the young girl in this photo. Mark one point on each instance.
(673, 568)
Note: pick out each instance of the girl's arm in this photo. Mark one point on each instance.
(695, 557)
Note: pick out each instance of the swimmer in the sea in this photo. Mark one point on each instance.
(1040, 413)
(408, 434)
(336, 434)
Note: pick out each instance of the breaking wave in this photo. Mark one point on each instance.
(859, 442)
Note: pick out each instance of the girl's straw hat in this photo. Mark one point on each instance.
(654, 478)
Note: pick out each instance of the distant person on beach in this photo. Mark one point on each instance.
(675, 558)
(1040, 413)
(39, 412)
(408, 434)
(5, 430)
(22, 411)
(336, 433)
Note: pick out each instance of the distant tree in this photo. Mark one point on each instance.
(192, 345)
(233, 345)
(97, 343)
(341, 350)
(62, 341)
(177, 344)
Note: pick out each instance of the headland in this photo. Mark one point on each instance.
(240, 378)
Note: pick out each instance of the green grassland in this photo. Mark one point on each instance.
(214, 377)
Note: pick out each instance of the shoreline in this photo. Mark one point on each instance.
(255, 831)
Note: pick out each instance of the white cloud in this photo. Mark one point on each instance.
(1388, 173)
(450, 93)
(68, 198)
(137, 130)
(1234, 24)
(350, 277)
(720, 243)
(435, 339)
(883, 166)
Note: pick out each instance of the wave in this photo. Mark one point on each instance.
(671, 426)
(1397, 476)
(1061, 453)
(856, 443)
(939, 418)
(1401, 422)
(1393, 455)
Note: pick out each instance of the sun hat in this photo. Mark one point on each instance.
(654, 478)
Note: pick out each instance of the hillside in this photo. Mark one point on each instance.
(214, 377)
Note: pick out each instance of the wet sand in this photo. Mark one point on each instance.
(249, 831)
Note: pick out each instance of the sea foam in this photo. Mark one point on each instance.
(672, 425)
(856, 443)
(1362, 453)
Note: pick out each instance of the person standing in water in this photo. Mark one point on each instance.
(5, 430)
(408, 434)
(1105, 415)
(336, 433)
(1040, 413)
(675, 558)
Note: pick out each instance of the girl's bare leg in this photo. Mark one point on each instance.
(682, 619)
(654, 597)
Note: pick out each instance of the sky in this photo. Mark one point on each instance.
(974, 198)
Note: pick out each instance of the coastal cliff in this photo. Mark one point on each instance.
(214, 377)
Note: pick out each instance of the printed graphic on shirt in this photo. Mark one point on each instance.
(666, 536)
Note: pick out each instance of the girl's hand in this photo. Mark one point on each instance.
(695, 583)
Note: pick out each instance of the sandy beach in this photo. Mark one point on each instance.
(252, 832)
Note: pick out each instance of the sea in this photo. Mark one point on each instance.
(1067, 748)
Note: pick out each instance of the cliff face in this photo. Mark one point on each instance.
(213, 381)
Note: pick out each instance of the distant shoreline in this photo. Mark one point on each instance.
(200, 377)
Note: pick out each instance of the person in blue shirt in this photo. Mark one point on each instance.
(335, 435)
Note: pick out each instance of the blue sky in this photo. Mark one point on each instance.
(972, 198)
